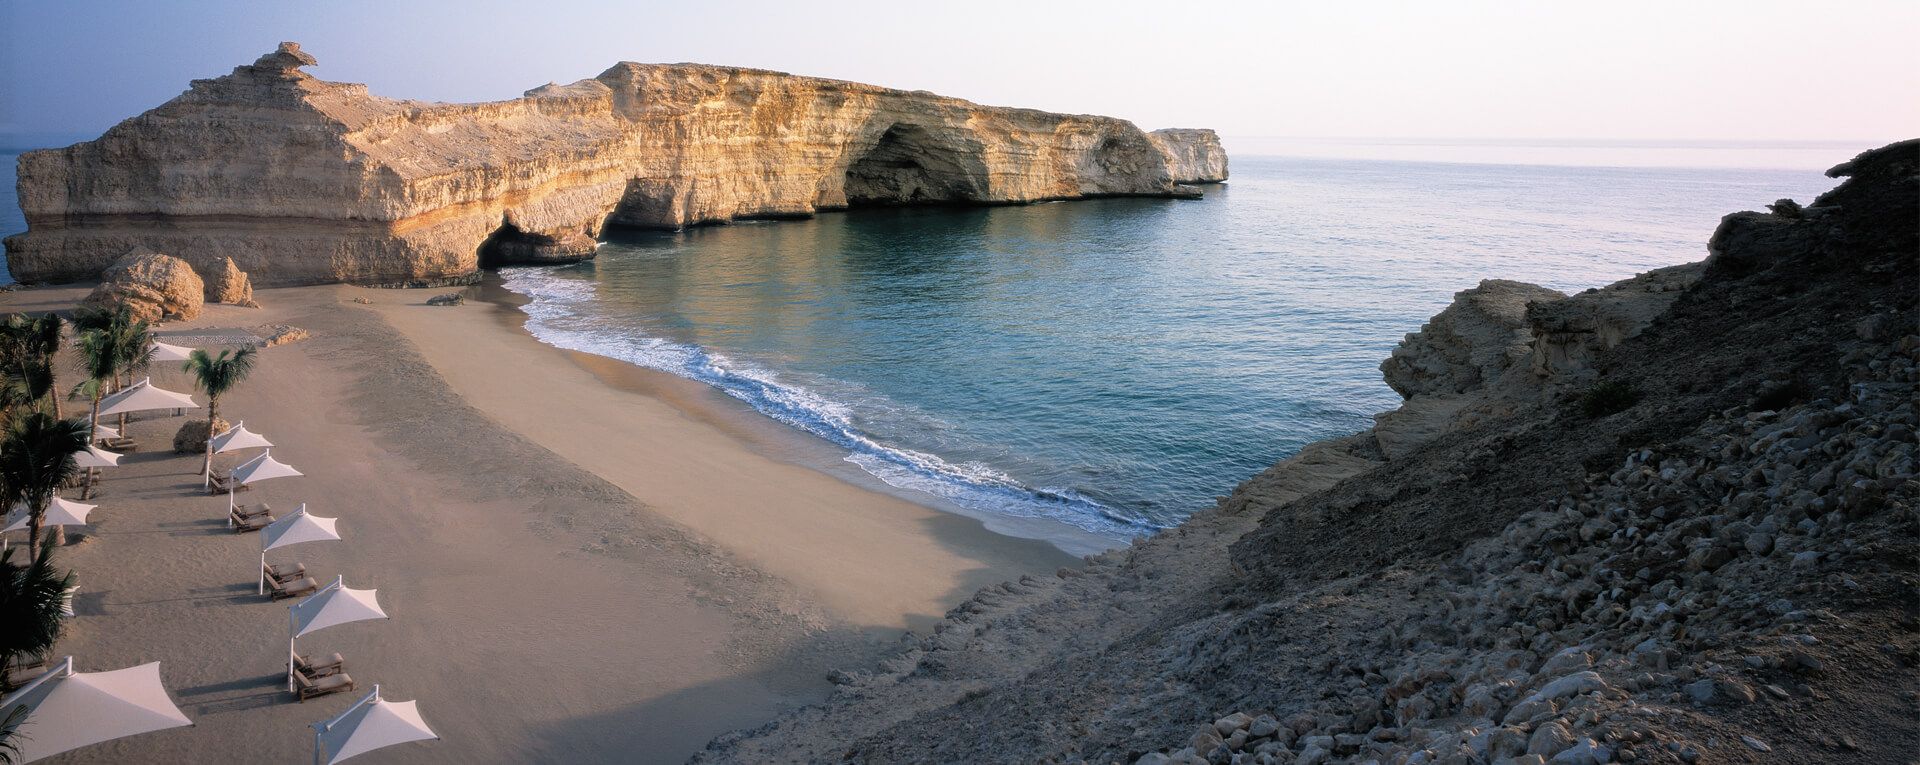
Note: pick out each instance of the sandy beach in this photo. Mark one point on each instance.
(580, 563)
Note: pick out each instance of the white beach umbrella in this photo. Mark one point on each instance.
(164, 352)
(258, 469)
(237, 438)
(298, 528)
(60, 512)
(95, 456)
(333, 604)
(262, 468)
(371, 723)
(143, 396)
(68, 709)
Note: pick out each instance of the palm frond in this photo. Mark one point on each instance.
(217, 374)
(32, 604)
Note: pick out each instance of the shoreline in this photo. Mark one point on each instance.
(722, 483)
(540, 609)
(774, 439)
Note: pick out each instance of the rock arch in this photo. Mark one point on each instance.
(909, 164)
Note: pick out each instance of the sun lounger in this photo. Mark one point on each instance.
(288, 572)
(252, 511)
(278, 590)
(243, 524)
(309, 687)
(222, 484)
(118, 444)
(331, 665)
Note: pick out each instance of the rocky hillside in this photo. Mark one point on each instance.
(299, 180)
(1672, 520)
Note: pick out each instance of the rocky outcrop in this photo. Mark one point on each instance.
(226, 283)
(272, 335)
(153, 286)
(301, 181)
(1471, 343)
(1195, 154)
(1720, 567)
(1568, 334)
(1504, 344)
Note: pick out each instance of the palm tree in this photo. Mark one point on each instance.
(27, 349)
(100, 358)
(10, 721)
(25, 386)
(127, 339)
(35, 459)
(216, 375)
(32, 597)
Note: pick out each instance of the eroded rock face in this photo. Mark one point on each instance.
(1195, 154)
(152, 285)
(1471, 343)
(1567, 334)
(304, 181)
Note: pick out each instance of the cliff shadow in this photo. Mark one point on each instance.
(914, 165)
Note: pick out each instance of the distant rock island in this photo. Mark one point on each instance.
(303, 181)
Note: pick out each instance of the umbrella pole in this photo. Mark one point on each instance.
(263, 573)
(229, 507)
(291, 655)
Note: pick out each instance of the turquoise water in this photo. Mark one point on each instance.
(1113, 365)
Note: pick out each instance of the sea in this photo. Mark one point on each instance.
(1098, 370)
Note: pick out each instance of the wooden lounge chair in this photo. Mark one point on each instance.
(287, 572)
(251, 511)
(279, 590)
(310, 687)
(118, 444)
(243, 524)
(222, 484)
(331, 665)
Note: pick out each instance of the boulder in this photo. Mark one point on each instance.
(226, 283)
(451, 298)
(191, 438)
(155, 287)
(280, 334)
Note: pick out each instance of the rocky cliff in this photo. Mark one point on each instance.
(300, 180)
(1673, 520)
(1196, 155)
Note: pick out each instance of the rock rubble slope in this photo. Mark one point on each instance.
(299, 180)
(1669, 521)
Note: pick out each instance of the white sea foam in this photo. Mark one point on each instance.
(560, 313)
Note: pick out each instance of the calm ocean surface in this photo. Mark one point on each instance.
(1112, 365)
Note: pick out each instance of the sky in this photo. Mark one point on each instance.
(1540, 71)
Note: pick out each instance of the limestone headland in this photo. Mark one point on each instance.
(302, 181)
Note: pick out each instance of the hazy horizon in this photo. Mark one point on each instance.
(1740, 72)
